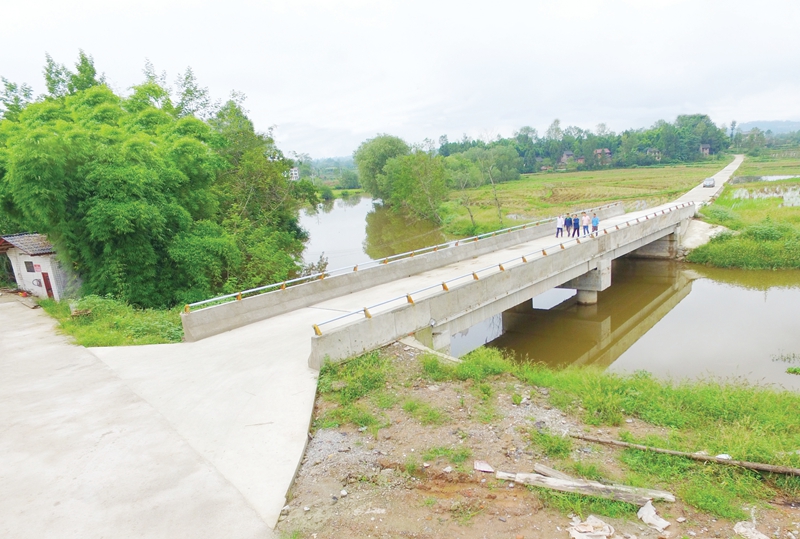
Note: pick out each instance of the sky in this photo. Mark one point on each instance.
(328, 75)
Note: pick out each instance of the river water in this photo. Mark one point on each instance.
(671, 319)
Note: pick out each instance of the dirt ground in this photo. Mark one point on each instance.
(355, 485)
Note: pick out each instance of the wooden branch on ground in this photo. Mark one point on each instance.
(788, 470)
(624, 493)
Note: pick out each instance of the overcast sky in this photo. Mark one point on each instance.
(330, 74)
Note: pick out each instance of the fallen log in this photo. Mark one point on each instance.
(761, 467)
(550, 472)
(624, 493)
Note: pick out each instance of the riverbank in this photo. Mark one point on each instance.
(396, 433)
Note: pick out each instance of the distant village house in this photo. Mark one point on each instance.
(34, 264)
(705, 149)
(655, 153)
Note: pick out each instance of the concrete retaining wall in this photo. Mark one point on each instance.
(463, 306)
(220, 318)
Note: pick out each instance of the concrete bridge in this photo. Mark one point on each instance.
(235, 401)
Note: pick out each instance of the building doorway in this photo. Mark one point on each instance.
(47, 285)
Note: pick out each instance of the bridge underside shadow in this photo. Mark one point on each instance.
(573, 334)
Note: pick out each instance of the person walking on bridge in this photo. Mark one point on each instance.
(576, 225)
(595, 223)
(568, 222)
(585, 221)
(560, 226)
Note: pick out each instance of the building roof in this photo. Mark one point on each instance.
(30, 244)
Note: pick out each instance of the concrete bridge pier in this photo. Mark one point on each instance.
(591, 282)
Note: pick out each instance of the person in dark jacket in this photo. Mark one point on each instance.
(576, 225)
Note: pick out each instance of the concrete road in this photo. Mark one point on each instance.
(704, 195)
(82, 456)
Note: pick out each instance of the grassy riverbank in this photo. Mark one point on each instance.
(110, 322)
(746, 422)
(548, 194)
(764, 221)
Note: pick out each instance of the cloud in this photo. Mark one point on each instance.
(331, 74)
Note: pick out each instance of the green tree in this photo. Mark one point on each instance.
(416, 182)
(370, 158)
(464, 175)
(13, 98)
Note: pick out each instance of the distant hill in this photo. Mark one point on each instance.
(776, 126)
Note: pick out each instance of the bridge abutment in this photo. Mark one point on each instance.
(591, 282)
(668, 247)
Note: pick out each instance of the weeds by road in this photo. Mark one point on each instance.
(110, 322)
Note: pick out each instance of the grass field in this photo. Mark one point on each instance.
(541, 195)
(779, 163)
(766, 226)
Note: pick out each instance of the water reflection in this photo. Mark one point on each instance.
(391, 232)
(356, 229)
(672, 320)
(571, 334)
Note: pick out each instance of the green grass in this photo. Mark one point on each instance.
(552, 445)
(115, 323)
(767, 232)
(424, 412)
(587, 471)
(793, 370)
(582, 505)
(748, 422)
(347, 414)
(457, 455)
(349, 381)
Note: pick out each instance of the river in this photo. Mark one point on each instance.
(674, 320)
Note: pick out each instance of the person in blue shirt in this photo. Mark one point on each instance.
(576, 225)
(595, 223)
(568, 222)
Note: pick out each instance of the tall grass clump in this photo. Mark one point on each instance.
(349, 381)
(764, 245)
(112, 322)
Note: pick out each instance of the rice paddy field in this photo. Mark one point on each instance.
(541, 195)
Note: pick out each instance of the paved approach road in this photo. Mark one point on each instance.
(184, 440)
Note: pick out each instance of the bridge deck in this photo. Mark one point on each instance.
(243, 399)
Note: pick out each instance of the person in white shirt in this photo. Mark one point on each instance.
(560, 226)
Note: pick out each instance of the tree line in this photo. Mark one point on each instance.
(159, 197)
(419, 178)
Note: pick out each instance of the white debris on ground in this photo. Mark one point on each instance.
(748, 531)
(647, 514)
(591, 528)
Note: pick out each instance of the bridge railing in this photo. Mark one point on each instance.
(445, 286)
(234, 296)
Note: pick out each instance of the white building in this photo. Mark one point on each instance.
(294, 174)
(35, 267)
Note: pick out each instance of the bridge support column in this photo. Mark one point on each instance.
(591, 282)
